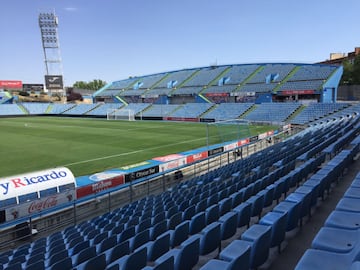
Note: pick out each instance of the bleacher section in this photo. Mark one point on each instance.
(225, 111)
(80, 109)
(36, 108)
(191, 110)
(272, 112)
(159, 110)
(60, 108)
(258, 78)
(103, 109)
(230, 217)
(10, 109)
(316, 111)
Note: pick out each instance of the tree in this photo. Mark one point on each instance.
(92, 85)
(351, 74)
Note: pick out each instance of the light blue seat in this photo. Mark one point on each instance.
(210, 238)
(293, 213)
(305, 203)
(348, 204)
(343, 220)
(236, 256)
(186, 256)
(314, 259)
(336, 240)
(278, 223)
(259, 237)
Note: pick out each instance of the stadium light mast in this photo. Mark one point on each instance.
(48, 23)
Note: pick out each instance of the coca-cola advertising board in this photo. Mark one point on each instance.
(37, 206)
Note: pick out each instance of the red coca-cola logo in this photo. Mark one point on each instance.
(37, 206)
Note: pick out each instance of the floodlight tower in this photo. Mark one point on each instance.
(48, 23)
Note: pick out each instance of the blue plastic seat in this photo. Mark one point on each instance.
(278, 223)
(83, 255)
(293, 213)
(180, 233)
(157, 247)
(257, 205)
(189, 212)
(225, 205)
(197, 223)
(343, 220)
(259, 236)
(117, 252)
(106, 244)
(244, 214)
(134, 261)
(314, 259)
(158, 229)
(212, 213)
(174, 220)
(210, 239)
(65, 263)
(236, 256)
(164, 265)
(95, 263)
(229, 223)
(186, 256)
(139, 239)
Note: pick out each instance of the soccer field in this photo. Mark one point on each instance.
(87, 146)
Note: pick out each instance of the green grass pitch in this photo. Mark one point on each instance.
(87, 146)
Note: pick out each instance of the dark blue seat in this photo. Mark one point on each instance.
(117, 252)
(158, 229)
(212, 213)
(243, 211)
(225, 205)
(83, 255)
(174, 220)
(257, 205)
(186, 256)
(210, 238)
(197, 223)
(229, 223)
(180, 233)
(134, 261)
(157, 247)
(95, 263)
(139, 239)
(164, 265)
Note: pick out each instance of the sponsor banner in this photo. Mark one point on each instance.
(231, 146)
(196, 157)
(297, 92)
(172, 164)
(185, 119)
(11, 84)
(53, 82)
(215, 151)
(217, 94)
(141, 173)
(32, 182)
(254, 138)
(99, 186)
(168, 157)
(244, 141)
(262, 136)
(36, 206)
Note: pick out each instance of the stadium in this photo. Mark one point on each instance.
(269, 143)
(237, 166)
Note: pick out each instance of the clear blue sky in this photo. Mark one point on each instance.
(115, 39)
